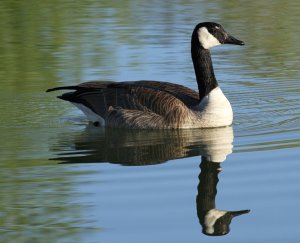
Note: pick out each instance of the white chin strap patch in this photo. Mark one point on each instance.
(206, 39)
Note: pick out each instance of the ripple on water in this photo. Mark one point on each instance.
(267, 116)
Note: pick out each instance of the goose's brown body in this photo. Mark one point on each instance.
(137, 104)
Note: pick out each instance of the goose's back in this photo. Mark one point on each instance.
(136, 104)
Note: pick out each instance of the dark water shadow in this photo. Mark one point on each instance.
(142, 147)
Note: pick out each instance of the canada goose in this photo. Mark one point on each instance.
(161, 105)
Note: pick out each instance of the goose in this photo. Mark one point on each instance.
(156, 104)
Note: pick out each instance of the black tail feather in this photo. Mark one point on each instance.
(64, 87)
(70, 96)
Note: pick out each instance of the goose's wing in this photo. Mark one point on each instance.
(188, 96)
(152, 96)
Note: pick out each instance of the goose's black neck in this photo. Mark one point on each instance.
(203, 68)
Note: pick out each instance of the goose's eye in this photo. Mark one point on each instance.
(212, 30)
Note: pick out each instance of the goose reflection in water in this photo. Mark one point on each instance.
(214, 222)
(143, 147)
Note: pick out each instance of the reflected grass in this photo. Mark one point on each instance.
(38, 203)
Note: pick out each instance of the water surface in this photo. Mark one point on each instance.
(65, 181)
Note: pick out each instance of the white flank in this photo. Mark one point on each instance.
(210, 219)
(206, 39)
(91, 116)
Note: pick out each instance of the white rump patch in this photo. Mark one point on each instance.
(91, 116)
(206, 39)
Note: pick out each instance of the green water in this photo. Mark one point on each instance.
(62, 181)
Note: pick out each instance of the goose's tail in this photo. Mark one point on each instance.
(63, 88)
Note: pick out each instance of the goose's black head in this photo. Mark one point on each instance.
(209, 34)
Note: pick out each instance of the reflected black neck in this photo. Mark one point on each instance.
(207, 187)
(203, 68)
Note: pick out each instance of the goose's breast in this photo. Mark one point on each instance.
(214, 110)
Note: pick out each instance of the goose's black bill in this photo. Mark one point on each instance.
(237, 213)
(231, 40)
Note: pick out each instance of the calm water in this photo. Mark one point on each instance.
(63, 181)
